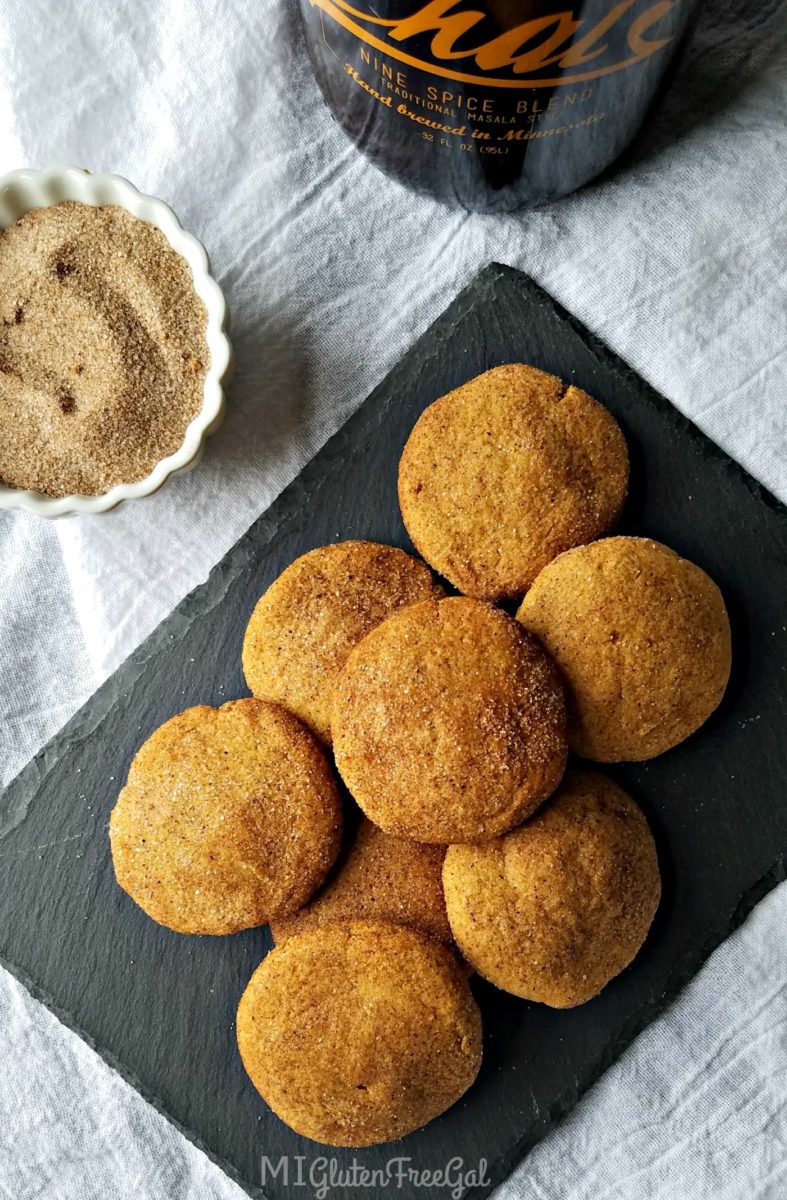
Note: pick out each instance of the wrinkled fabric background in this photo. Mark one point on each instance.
(332, 271)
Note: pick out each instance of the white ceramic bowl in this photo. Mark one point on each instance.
(22, 190)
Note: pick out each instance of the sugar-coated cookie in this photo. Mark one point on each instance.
(449, 722)
(308, 620)
(359, 1033)
(504, 473)
(642, 640)
(230, 816)
(555, 909)
(378, 877)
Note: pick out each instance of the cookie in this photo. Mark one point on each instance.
(449, 722)
(309, 619)
(230, 816)
(503, 474)
(555, 909)
(379, 877)
(642, 639)
(361, 1033)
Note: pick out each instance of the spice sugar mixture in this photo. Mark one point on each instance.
(102, 349)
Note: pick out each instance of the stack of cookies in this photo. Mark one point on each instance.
(467, 846)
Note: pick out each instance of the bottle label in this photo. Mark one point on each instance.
(547, 101)
(556, 50)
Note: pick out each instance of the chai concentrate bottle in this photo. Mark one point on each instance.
(493, 104)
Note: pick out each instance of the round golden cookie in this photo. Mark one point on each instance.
(308, 620)
(643, 642)
(504, 473)
(230, 815)
(448, 723)
(359, 1034)
(381, 878)
(555, 909)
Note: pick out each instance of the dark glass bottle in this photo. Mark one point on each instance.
(493, 104)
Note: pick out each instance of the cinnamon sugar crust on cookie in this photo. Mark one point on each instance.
(503, 474)
(555, 909)
(359, 1034)
(230, 815)
(642, 639)
(379, 877)
(448, 723)
(308, 620)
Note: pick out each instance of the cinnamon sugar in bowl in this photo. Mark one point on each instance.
(113, 349)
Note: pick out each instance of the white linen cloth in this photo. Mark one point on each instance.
(331, 272)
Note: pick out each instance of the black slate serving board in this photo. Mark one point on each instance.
(161, 1007)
